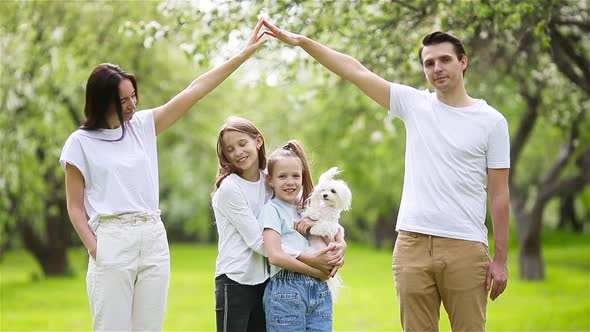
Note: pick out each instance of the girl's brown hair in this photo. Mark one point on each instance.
(241, 125)
(294, 150)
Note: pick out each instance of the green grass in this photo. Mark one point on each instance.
(559, 303)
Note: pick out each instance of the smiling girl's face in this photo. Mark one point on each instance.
(286, 179)
(241, 150)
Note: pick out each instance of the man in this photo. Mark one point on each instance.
(454, 144)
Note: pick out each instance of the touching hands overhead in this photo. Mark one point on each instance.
(256, 38)
(282, 35)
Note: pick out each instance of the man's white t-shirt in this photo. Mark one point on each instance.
(448, 152)
(119, 176)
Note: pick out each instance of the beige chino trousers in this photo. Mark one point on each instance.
(128, 281)
(429, 270)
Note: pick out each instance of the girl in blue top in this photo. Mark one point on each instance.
(296, 298)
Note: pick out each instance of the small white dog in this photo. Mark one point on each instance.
(329, 198)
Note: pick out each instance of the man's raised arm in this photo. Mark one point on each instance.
(340, 64)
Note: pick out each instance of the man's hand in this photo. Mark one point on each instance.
(496, 279)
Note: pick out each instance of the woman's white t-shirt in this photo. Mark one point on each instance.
(119, 176)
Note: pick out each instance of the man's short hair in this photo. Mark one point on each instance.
(438, 37)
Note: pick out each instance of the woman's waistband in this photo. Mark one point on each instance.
(131, 218)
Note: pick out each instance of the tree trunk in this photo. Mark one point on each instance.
(49, 250)
(531, 260)
(51, 254)
(384, 230)
(567, 212)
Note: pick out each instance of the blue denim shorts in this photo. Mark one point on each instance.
(297, 302)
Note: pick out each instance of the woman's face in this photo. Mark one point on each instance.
(128, 104)
(241, 150)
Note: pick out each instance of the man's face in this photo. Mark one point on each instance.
(442, 67)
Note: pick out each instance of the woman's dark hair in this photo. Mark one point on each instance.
(439, 37)
(102, 91)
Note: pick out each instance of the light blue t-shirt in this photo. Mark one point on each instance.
(280, 216)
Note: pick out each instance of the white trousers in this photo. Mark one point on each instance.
(128, 281)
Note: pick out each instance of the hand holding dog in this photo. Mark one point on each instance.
(322, 260)
(303, 225)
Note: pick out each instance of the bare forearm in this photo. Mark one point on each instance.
(167, 114)
(287, 262)
(316, 260)
(350, 69)
(500, 209)
(340, 64)
(78, 219)
(308, 259)
(211, 79)
(203, 85)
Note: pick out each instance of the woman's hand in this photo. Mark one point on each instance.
(256, 39)
(283, 35)
(92, 248)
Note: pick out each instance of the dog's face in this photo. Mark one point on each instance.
(334, 193)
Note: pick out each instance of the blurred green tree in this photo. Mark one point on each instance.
(530, 59)
(48, 51)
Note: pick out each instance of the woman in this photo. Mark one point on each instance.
(111, 171)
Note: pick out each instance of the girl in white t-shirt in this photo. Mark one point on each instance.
(112, 192)
(241, 190)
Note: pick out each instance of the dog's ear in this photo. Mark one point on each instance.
(329, 174)
(344, 196)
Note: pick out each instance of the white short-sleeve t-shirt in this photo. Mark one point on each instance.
(448, 152)
(119, 176)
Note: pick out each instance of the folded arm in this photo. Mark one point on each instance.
(277, 257)
(330, 259)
